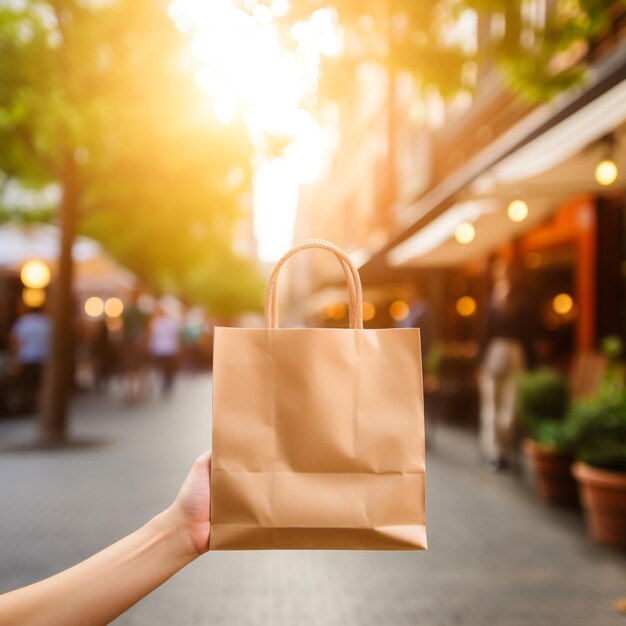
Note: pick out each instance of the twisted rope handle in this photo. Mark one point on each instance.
(349, 269)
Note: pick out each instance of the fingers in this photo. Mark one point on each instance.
(204, 460)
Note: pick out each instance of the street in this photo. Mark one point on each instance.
(497, 556)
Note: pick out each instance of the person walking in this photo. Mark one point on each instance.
(134, 349)
(191, 334)
(101, 356)
(164, 332)
(503, 362)
(30, 339)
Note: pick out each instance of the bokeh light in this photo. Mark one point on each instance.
(532, 260)
(334, 312)
(517, 211)
(606, 172)
(33, 298)
(94, 306)
(113, 307)
(466, 306)
(369, 311)
(399, 310)
(35, 274)
(562, 303)
(465, 233)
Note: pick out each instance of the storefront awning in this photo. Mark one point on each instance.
(539, 157)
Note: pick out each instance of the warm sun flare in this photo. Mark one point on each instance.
(245, 69)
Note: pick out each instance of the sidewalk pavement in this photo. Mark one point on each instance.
(497, 556)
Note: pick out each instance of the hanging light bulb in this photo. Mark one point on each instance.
(606, 172)
(517, 211)
(465, 233)
(606, 169)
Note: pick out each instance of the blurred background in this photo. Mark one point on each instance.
(156, 159)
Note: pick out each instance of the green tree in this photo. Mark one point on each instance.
(97, 96)
(539, 49)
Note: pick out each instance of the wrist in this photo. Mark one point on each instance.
(171, 526)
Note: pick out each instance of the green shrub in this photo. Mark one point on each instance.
(596, 428)
(612, 347)
(542, 403)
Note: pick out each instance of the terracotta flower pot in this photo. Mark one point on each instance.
(603, 495)
(552, 474)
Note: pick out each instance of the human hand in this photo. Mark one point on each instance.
(102, 587)
(191, 511)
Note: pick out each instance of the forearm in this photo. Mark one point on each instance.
(99, 589)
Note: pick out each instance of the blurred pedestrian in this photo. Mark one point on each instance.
(192, 332)
(30, 341)
(134, 331)
(164, 332)
(101, 355)
(503, 362)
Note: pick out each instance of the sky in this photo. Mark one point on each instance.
(243, 65)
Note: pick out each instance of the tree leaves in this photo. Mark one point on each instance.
(537, 54)
(106, 83)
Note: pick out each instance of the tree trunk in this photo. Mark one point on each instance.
(57, 383)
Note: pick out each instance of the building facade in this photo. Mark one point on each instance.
(487, 195)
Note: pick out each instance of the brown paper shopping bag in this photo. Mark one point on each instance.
(318, 434)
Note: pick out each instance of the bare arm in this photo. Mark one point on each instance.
(101, 588)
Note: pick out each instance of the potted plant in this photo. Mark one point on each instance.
(543, 398)
(597, 431)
